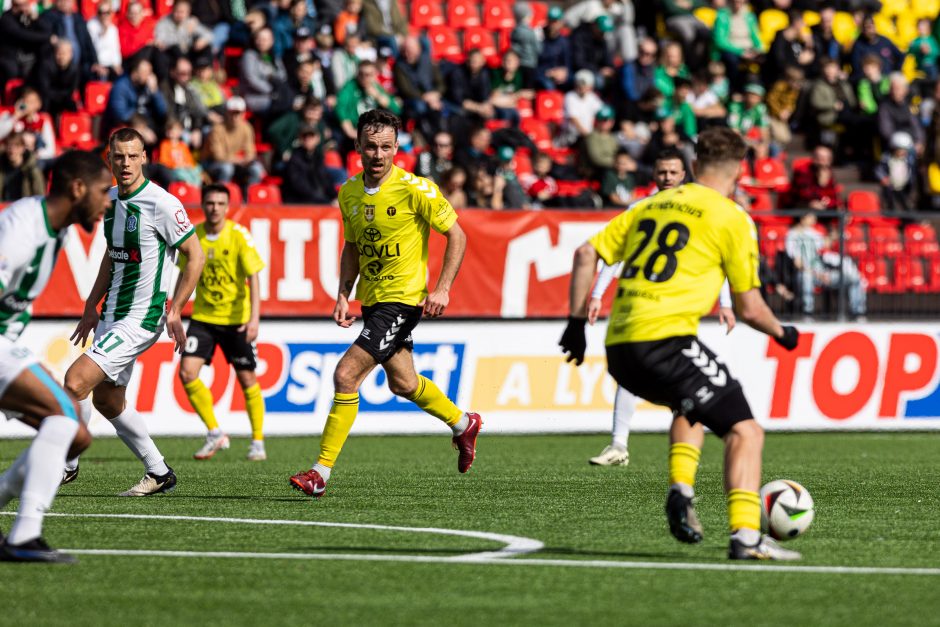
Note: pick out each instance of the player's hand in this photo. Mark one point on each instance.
(435, 303)
(87, 324)
(789, 339)
(341, 313)
(251, 330)
(594, 309)
(174, 328)
(726, 316)
(573, 341)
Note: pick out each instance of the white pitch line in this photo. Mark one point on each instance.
(428, 559)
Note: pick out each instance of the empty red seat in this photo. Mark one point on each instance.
(856, 244)
(862, 201)
(875, 271)
(10, 89)
(89, 8)
(801, 163)
(538, 131)
(572, 188)
(426, 13)
(235, 194)
(332, 159)
(550, 105)
(769, 173)
(75, 130)
(921, 239)
(187, 193)
(885, 241)
(462, 14)
(933, 268)
(164, 7)
(497, 15)
(524, 107)
(522, 162)
(761, 201)
(264, 194)
(773, 238)
(539, 14)
(96, 97)
(353, 163)
(405, 161)
(479, 38)
(444, 43)
(643, 191)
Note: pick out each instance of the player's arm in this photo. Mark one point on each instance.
(604, 278)
(254, 294)
(573, 342)
(756, 314)
(195, 260)
(348, 272)
(726, 307)
(89, 320)
(438, 300)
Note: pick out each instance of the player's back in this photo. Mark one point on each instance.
(678, 246)
(28, 251)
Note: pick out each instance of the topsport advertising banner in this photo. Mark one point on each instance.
(867, 377)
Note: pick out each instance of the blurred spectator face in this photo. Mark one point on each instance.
(181, 11)
(869, 31)
(313, 112)
(647, 52)
(583, 82)
(899, 88)
(354, 6)
(66, 6)
(752, 100)
(822, 157)
(542, 166)
(480, 140)
(443, 145)
(511, 61)
(622, 164)
(310, 141)
(738, 5)
(303, 45)
(264, 40)
(135, 13)
(256, 20)
(20, 7)
(352, 43)
(174, 131)
(871, 68)
(105, 13)
(366, 75)
(30, 102)
(63, 53)
(808, 221)
(204, 73)
(15, 150)
(142, 73)
(923, 27)
(668, 173)
(672, 55)
(182, 72)
(476, 61)
(827, 16)
(456, 179)
(483, 183)
(298, 10)
(411, 50)
(305, 73)
(831, 72)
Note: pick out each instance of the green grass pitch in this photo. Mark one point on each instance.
(877, 506)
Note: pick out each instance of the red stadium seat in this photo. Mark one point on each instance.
(479, 38)
(770, 173)
(856, 244)
(188, 194)
(643, 191)
(524, 107)
(503, 43)
(921, 239)
(405, 161)
(496, 125)
(761, 201)
(263, 194)
(332, 159)
(885, 241)
(861, 201)
(463, 14)
(353, 163)
(96, 97)
(426, 13)
(539, 14)
(934, 271)
(538, 131)
(875, 271)
(235, 194)
(572, 188)
(445, 44)
(163, 7)
(89, 8)
(773, 238)
(911, 269)
(10, 89)
(522, 162)
(75, 131)
(801, 163)
(549, 106)
(497, 15)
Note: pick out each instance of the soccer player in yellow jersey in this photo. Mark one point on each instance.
(226, 313)
(387, 217)
(677, 248)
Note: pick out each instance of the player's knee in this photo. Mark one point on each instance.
(405, 389)
(750, 431)
(108, 407)
(187, 376)
(344, 380)
(80, 442)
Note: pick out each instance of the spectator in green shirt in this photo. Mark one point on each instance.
(736, 39)
(681, 110)
(750, 118)
(925, 50)
(358, 96)
(619, 182)
(873, 87)
(671, 66)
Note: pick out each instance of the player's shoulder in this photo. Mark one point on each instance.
(22, 213)
(416, 186)
(352, 185)
(239, 232)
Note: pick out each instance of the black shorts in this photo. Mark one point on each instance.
(202, 337)
(388, 328)
(684, 375)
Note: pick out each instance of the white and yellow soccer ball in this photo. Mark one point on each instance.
(786, 509)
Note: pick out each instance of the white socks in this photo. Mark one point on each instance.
(11, 481)
(131, 429)
(323, 470)
(624, 407)
(749, 537)
(43, 472)
(461, 425)
(84, 412)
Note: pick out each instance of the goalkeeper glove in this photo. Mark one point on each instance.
(789, 339)
(573, 341)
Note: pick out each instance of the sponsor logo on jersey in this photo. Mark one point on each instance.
(181, 217)
(125, 255)
(13, 304)
(370, 213)
(391, 212)
(131, 223)
(371, 234)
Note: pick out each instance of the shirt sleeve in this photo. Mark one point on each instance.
(347, 226)
(724, 296)
(611, 242)
(13, 254)
(432, 206)
(604, 278)
(172, 221)
(739, 253)
(247, 252)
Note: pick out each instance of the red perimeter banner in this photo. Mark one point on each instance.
(517, 262)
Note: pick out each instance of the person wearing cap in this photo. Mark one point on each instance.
(600, 146)
(581, 105)
(750, 117)
(306, 179)
(554, 62)
(506, 180)
(230, 148)
(896, 173)
(589, 49)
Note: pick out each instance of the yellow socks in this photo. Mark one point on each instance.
(201, 399)
(338, 423)
(430, 398)
(683, 463)
(254, 404)
(743, 510)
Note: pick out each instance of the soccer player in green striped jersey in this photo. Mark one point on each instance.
(144, 229)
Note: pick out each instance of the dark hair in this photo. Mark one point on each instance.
(76, 164)
(719, 145)
(375, 120)
(136, 62)
(669, 153)
(215, 188)
(125, 134)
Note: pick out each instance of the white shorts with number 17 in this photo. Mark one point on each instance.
(116, 347)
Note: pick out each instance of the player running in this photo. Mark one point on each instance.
(677, 248)
(144, 228)
(32, 232)
(668, 172)
(226, 313)
(387, 216)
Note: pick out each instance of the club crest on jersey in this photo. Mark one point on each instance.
(369, 212)
(131, 223)
(391, 212)
(210, 253)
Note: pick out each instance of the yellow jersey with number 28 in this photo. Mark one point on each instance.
(677, 248)
(390, 226)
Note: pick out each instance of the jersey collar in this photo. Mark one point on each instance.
(45, 218)
(136, 191)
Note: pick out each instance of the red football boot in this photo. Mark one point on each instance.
(466, 442)
(309, 482)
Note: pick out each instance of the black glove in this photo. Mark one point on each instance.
(790, 338)
(573, 342)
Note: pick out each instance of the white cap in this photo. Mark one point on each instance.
(236, 103)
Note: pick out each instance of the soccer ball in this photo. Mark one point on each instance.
(786, 509)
